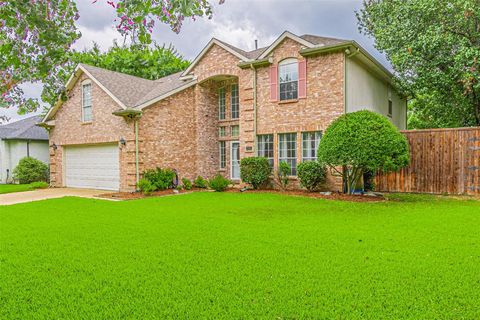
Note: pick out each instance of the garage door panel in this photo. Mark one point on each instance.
(95, 166)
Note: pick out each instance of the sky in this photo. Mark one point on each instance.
(238, 22)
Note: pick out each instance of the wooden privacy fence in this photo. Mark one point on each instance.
(441, 161)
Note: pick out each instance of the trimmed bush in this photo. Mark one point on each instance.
(219, 183)
(39, 185)
(186, 184)
(362, 141)
(255, 171)
(283, 172)
(312, 175)
(30, 170)
(146, 186)
(162, 179)
(200, 182)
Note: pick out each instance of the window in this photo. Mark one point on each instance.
(235, 102)
(222, 131)
(223, 154)
(265, 147)
(310, 142)
(287, 150)
(87, 102)
(288, 79)
(235, 131)
(390, 108)
(221, 103)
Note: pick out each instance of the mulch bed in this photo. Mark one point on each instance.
(298, 193)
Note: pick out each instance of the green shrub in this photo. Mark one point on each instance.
(162, 179)
(30, 170)
(200, 182)
(219, 183)
(146, 186)
(186, 184)
(283, 172)
(255, 171)
(39, 185)
(312, 175)
(362, 141)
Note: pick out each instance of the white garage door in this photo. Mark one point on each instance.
(95, 166)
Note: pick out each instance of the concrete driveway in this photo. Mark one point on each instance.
(51, 193)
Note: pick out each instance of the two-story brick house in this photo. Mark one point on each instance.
(228, 104)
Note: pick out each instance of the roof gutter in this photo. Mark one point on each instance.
(255, 63)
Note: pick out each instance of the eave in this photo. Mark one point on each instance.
(255, 63)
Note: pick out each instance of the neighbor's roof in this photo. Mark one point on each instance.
(25, 129)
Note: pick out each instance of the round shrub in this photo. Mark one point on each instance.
(255, 171)
(30, 170)
(219, 183)
(362, 141)
(146, 186)
(186, 184)
(200, 182)
(162, 179)
(312, 175)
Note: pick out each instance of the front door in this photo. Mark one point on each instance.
(235, 160)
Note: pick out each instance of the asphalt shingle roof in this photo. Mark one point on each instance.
(25, 129)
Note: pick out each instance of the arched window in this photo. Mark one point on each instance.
(288, 79)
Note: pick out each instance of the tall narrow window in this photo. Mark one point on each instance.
(222, 131)
(287, 151)
(235, 102)
(235, 131)
(390, 108)
(223, 154)
(288, 79)
(310, 142)
(87, 102)
(221, 103)
(265, 147)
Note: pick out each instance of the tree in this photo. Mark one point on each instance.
(149, 62)
(434, 47)
(359, 142)
(36, 37)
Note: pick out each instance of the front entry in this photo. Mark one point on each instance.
(235, 160)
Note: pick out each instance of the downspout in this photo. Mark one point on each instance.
(254, 107)
(137, 173)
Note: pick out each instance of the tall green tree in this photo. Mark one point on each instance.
(149, 62)
(434, 47)
(36, 37)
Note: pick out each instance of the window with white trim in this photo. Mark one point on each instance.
(235, 131)
(223, 154)
(310, 142)
(287, 151)
(222, 131)
(221, 103)
(235, 104)
(265, 147)
(288, 79)
(390, 108)
(87, 115)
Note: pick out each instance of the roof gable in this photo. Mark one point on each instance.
(282, 37)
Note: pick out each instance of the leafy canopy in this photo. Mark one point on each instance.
(36, 38)
(434, 47)
(362, 141)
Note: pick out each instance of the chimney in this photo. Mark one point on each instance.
(256, 44)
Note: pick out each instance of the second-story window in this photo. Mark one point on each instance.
(87, 115)
(221, 103)
(235, 105)
(288, 79)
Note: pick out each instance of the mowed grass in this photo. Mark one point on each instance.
(10, 188)
(240, 256)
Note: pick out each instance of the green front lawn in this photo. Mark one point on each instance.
(240, 256)
(10, 188)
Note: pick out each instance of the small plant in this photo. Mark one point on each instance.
(162, 179)
(219, 183)
(255, 171)
(284, 171)
(146, 186)
(200, 182)
(312, 175)
(186, 184)
(39, 185)
(30, 170)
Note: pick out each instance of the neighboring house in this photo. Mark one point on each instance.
(21, 139)
(228, 104)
